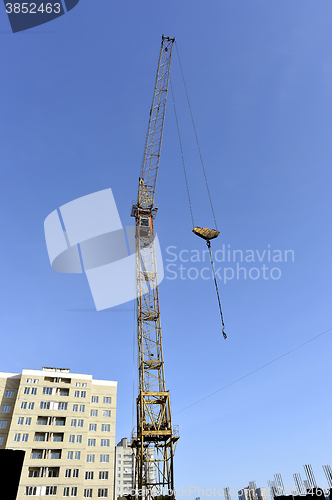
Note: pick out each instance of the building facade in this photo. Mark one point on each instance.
(124, 471)
(65, 423)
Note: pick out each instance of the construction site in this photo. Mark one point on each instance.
(189, 292)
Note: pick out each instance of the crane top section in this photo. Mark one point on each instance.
(150, 163)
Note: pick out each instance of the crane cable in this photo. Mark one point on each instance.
(183, 164)
(197, 142)
(216, 285)
(208, 243)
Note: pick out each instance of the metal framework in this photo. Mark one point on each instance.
(154, 438)
(299, 484)
(279, 484)
(310, 476)
(328, 473)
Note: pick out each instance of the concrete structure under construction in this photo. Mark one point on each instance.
(65, 423)
(249, 493)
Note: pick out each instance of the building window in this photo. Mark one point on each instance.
(52, 473)
(65, 491)
(106, 428)
(88, 493)
(102, 492)
(77, 455)
(68, 473)
(106, 413)
(103, 474)
(74, 491)
(3, 424)
(92, 427)
(75, 472)
(23, 405)
(20, 420)
(107, 400)
(28, 421)
(9, 394)
(33, 391)
(29, 380)
(36, 381)
(45, 405)
(94, 399)
(75, 407)
(51, 490)
(17, 437)
(1, 440)
(90, 458)
(83, 385)
(76, 394)
(73, 422)
(91, 442)
(89, 474)
(78, 384)
(94, 413)
(104, 458)
(105, 442)
(55, 454)
(72, 438)
(31, 406)
(33, 473)
(79, 423)
(36, 454)
(70, 455)
(26, 390)
(25, 437)
(83, 394)
(48, 390)
(31, 490)
(82, 408)
(79, 438)
(62, 406)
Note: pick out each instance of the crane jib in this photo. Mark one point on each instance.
(151, 156)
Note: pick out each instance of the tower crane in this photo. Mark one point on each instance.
(154, 439)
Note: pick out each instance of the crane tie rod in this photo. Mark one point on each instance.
(184, 166)
(216, 285)
(198, 147)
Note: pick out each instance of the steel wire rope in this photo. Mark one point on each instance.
(217, 290)
(196, 136)
(191, 213)
(183, 163)
(254, 371)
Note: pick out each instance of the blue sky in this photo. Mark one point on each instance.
(76, 94)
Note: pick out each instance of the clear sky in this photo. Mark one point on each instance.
(75, 100)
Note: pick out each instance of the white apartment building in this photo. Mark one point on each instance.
(65, 423)
(124, 471)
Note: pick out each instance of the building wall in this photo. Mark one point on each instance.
(65, 422)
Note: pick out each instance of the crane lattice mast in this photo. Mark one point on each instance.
(154, 439)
